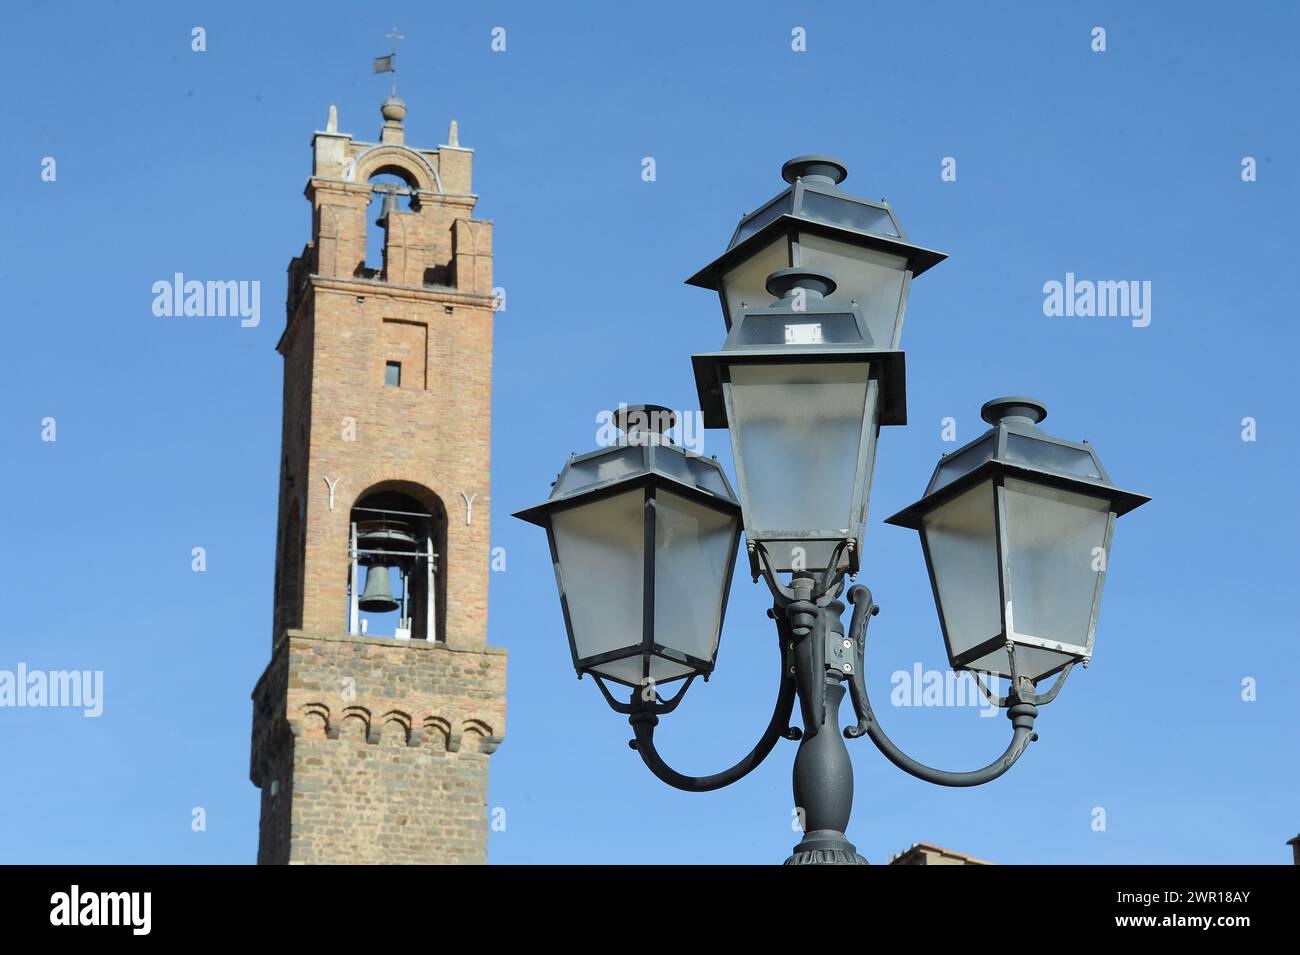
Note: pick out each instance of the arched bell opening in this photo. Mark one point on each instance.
(396, 585)
(391, 189)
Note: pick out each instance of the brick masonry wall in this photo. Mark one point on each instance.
(364, 434)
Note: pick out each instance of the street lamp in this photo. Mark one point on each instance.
(1016, 526)
(643, 538)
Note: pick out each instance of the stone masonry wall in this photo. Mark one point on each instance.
(383, 755)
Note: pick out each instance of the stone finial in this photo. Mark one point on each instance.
(453, 135)
(393, 109)
(332, 123)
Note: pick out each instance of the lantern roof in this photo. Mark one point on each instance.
(642, 454)
(797, 328)
(814, 202)
(1016, 446)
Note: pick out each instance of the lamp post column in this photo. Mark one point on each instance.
(823, 773)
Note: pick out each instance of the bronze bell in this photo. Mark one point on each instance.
(378, 595)
(389, 205)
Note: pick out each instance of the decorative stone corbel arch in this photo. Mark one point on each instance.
(396, 722)
(438, 732)
(480, 736)
(361, 715)
(316, 721)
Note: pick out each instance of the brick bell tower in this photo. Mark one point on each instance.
(374, 721)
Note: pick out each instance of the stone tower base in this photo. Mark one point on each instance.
(402, 779)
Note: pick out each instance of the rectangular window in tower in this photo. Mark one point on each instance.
(393, 374)
(405, 343)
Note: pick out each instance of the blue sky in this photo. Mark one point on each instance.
(1122, 165)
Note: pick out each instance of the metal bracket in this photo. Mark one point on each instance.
(638, 704)
(1027, 693)
(828, 585)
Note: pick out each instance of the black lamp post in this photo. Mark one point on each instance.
(1016, 526)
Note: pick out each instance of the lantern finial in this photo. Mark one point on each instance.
(819, 169)
(1014, 410)
(655, 419)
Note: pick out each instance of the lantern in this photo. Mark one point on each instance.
(816, 225)
(803, 389)
(643, 537)
(1016, 528)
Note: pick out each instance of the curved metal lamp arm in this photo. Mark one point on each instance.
(1022, 718)
(1021, 714)
(644, 717)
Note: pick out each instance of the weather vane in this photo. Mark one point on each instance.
(386, 64)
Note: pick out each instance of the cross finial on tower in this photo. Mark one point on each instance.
(388, 64)
(395, 36)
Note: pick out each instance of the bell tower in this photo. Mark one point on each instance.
(374, 721)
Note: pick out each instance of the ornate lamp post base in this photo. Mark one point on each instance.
(825, 847)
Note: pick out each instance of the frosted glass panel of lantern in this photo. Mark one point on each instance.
(843, 211)
(662, 670)
(631, 669)
(1033, 662)
(755, 221)
(745, 284)
(1051, 456)
(708, 477)
(693, 548)
(674, 463)
(796, 432)
(1055, 541)
(869, 277)
(809, 328)
(601, 468)
(601, 546)
(963, 462)
(812, 554)
(962, 544)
